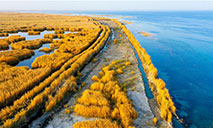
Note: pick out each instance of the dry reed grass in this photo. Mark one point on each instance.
(157, 85)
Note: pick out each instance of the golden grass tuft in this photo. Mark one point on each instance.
(133, 88)
(116, 114)
(67, 111)
(92, 111)
(106, 68)
(155, 120)
(30, 44)
(53, 61)
(109, 76)
(14, 56)
(49, 28)
(97, 86)
(101, 73)
(33, 33)
(90, 97)
(103, 123)
(119, 71)
(127, 114)
(94, 60)
(4, 66)
(3, 34)
(46, 50)
(59, 32)
(83, 84)
(4, 44)
(128, 63)
(110, 87)
(115, 41)
(120, 97)
(15, 38)
(51, 36)
(95, 78)
(79, 74)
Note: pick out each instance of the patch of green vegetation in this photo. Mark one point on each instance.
(117, 29)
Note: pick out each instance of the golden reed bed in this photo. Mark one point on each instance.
(73, 53)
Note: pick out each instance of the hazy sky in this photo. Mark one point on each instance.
(106, 5)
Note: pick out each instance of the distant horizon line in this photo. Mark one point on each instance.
(107, 10)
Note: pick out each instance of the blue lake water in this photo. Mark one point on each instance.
(181, 48)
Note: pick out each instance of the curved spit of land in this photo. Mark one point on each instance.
(90, 79)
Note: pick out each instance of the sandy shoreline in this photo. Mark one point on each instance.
(146, 108)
